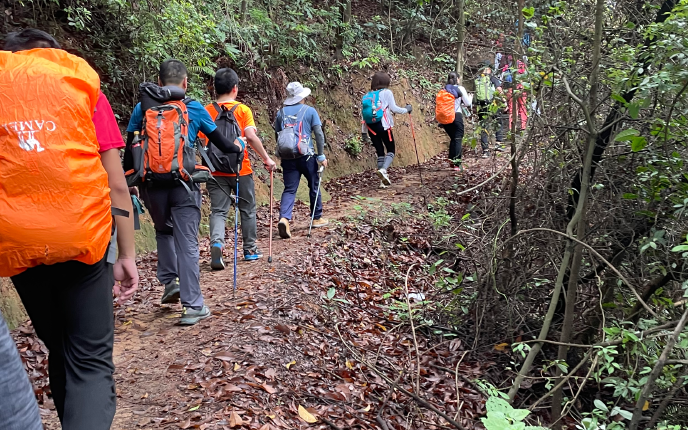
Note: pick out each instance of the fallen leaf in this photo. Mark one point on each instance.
(270, 374)
(501, 347)
(186, 424)
(236, 367)
(235, 420)
(646, 406)
(291, 363)
(270, 389)
(307, 416)
(349, 365)
(195, 408)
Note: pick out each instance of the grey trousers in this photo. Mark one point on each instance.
(18, 407)
(176, 216)
(220, 204)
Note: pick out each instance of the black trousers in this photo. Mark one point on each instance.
(455, 132)
(70, 306)
(489, 121)
(382, 139)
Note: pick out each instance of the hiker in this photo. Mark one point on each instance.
(173, 200)
(19, 409)
(236, 122)
(485, 87)
(449, 104)
(57, 221)
(378, 122)
(521, 101)
(296, 124)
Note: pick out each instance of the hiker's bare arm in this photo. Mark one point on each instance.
(253, 140)
(126, 275)
(224, 144)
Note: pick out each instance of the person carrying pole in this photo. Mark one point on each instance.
(377, 106)
(448, 112)
(172, 198)
(61, 186)
(295, 126)
(234, 119)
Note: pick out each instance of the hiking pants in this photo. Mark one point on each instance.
(176, 216)
(18, 407)
(489, 121)
(70, 306)
(220, 203)
(455, 132)
(383, 141)
(293, 169)
(520, 107)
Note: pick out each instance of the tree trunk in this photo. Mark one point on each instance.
(461, 32)
(345, 11)
(244, 10)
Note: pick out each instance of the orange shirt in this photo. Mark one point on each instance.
(244, 118)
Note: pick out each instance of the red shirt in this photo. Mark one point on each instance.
(107, 130)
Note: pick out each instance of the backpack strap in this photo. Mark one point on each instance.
(218, 109)
(234, 108)
(187, 100)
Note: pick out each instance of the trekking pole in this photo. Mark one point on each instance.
(236, 227)
(315, 204)
(272, 172)
(413, 133)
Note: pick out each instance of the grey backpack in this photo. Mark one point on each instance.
(291, 143)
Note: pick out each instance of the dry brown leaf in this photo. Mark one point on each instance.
(271, 373)
(349, 365)
(186, 424)
(307, 416)
(646, 406)
(235, 420)
(269, 388)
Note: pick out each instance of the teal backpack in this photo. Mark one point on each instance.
(484, 90)
(372, 107)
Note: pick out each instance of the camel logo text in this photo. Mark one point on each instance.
(26, 132)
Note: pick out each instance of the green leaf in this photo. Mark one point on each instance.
(626, 135)
(619, 99)
(528, 12)
(633, 110)
(627, 415)
(638, 143)
(498, 405)
(679, 248)
(495, 423)
(519, 414)
(195, 408)
(599, 404)
(330, 293)
(629, 196)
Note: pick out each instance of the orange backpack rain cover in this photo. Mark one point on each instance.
(54, 195)
(444, 107)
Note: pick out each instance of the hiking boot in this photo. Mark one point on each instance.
(253, 255)
(322, 222)
(216, 262)
(486, 154)
(382, 173)
(499, 147)
(283, 228)
(191, 316)
(457, 165)
(171, 294)
(382, 185)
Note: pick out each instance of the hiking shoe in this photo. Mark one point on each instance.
(486, 154)
(171, 294)
(382, 185)
(283, 228)
(216, 262)
(253, 255)
(499, 147)
(322, 222)
(382, 173)
(191, 316)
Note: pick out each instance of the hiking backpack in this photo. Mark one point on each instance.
(229, 127)
(291, 143)
(444, 107)
(54, 196)
(162, 154)
(484, 90)
(372, 110)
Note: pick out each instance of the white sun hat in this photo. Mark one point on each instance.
(295, 93)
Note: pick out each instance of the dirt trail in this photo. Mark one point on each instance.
(264, 351)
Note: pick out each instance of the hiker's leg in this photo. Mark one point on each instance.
(247, 207)
(19, 408)
(83, 305)
(523, 111)
(451, 131)
(376, 140)
(388, 140)
(483, 115)
(499, 120)
(186, 218)
(39, 290)
(291, 184)
(220, 203)
(455, 148)
(309, 168)
(157, 202)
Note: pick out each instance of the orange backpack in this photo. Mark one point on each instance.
(444, 107)
(54, 195)
(162, 154)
